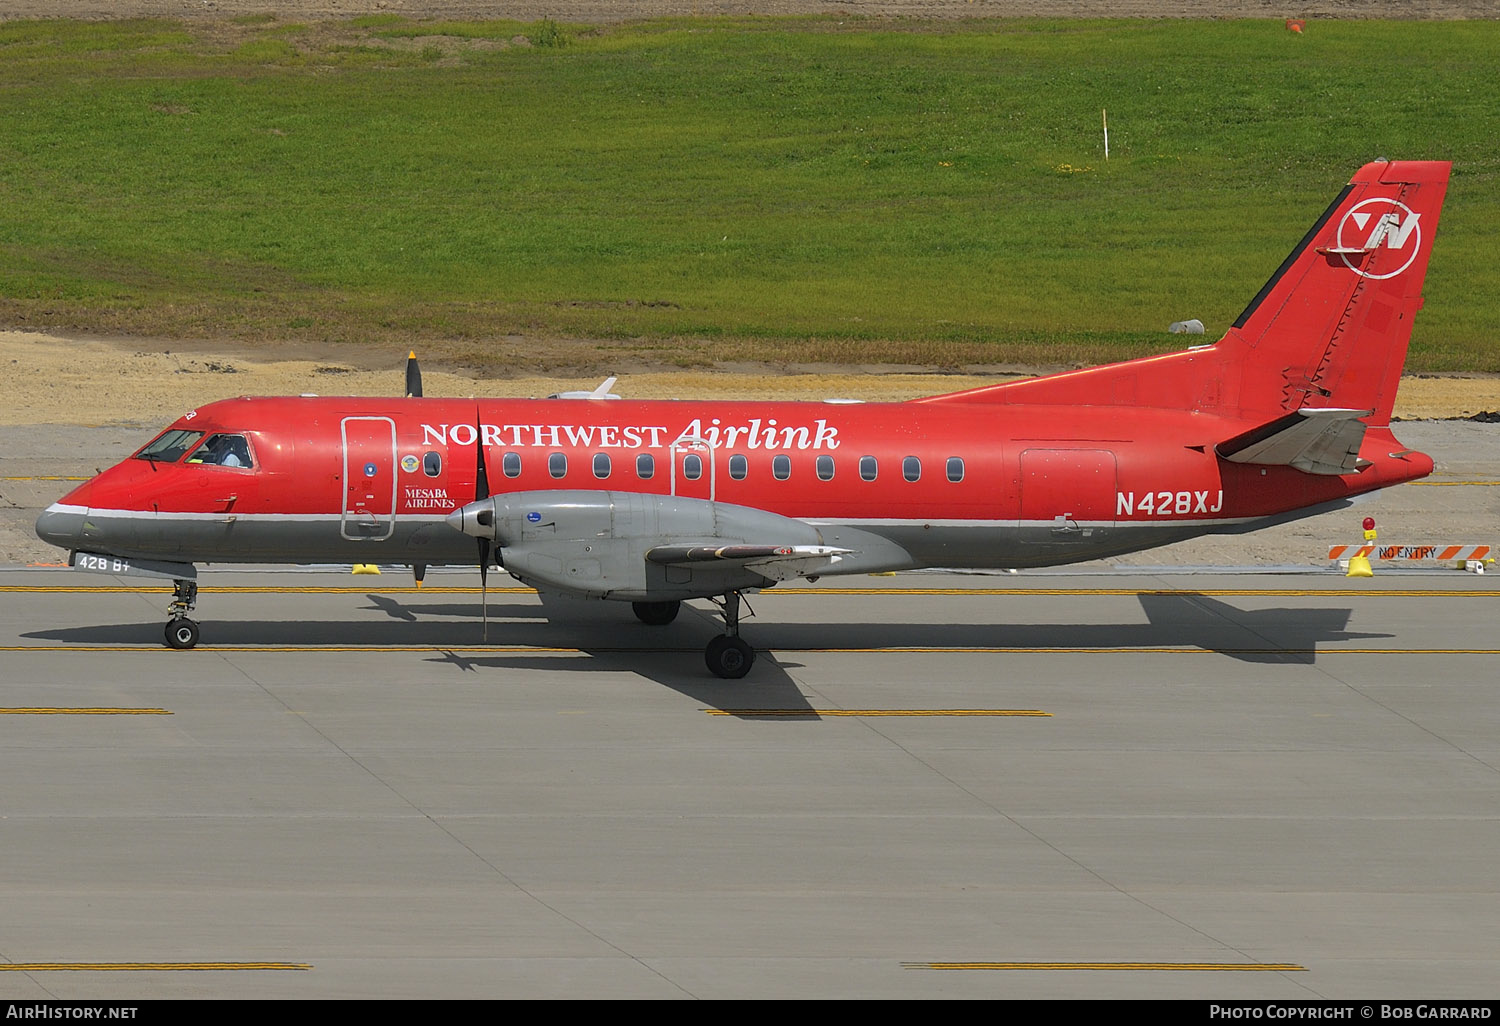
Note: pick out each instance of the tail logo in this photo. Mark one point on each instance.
(1377, 222)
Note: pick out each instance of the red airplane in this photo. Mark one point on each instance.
(654, 502)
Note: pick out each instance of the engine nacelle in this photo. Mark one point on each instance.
(594, 543)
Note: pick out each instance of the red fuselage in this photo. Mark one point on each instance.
(372, 480)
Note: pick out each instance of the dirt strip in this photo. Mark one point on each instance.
(55, 380)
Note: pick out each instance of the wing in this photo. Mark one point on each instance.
(776, 562)
(647, 547)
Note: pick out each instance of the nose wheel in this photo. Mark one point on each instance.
(728, 656)
(182, 632)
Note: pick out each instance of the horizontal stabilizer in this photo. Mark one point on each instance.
(777, 562)
(1314, 441)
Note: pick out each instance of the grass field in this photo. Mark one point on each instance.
(700, 189)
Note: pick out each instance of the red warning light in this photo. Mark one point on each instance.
(1369, 523)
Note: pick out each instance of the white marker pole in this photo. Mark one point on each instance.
(1105, 115)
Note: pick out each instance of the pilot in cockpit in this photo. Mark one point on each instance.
(223, 451)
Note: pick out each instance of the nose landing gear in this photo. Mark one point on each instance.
(182, 632)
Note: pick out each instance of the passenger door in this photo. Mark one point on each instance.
(369, 478)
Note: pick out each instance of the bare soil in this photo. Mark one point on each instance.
(51, 379)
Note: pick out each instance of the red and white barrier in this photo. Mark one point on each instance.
(1471, 557)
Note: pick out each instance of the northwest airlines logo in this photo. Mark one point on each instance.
(1373, 223)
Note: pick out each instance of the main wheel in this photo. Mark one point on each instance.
(657, 614)
(728, 657)
(182, 633)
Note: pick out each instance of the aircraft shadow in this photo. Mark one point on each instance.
(1279, 635)
(768, 686)
(595, 637)
(614, 642)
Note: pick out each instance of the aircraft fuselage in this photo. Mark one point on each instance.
(900, 485)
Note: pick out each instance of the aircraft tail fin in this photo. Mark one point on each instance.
(1329, 330)
(1331, 327)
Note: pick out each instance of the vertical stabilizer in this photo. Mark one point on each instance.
(1331, 327)
(1328, 331)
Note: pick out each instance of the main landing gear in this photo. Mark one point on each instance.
(728, 656)
(656, 614)
(182, 632)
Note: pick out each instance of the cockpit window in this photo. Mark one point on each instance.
(223, 451)
(169, 446)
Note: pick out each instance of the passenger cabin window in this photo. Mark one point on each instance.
(911, 468)
(869, 468)
(557, 464)
(739, 466)
(169, 446)
(955, 469)
(223, 451)
(825, 468)
(432, 464)
(645, 466)
(781, 467)
(510, 463)
(692, 467)
(601, 465)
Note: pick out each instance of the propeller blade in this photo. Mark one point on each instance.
(419, 571)
(482, 491)
(481, 476)
(484, 586)
(413, 376)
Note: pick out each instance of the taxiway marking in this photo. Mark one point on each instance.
(146, 647)
(145, 967)
(47, 711)
(251, 589)
(876, 712)
(1180, 967)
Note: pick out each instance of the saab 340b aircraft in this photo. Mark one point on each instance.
(654, 502)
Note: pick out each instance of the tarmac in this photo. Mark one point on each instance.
(1114, 782)
(1230, 786)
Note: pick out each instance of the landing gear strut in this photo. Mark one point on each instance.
(728, 656)
(182, 632)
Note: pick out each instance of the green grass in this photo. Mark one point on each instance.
(722, 188)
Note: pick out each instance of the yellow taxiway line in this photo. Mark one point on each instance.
(875, 712)
(256, 589)
(149, 967)
(57, 711)
(146, 647)
(1178, 967)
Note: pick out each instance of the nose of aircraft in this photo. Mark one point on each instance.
(61, 525)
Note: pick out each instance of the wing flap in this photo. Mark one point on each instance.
(1323, 441)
